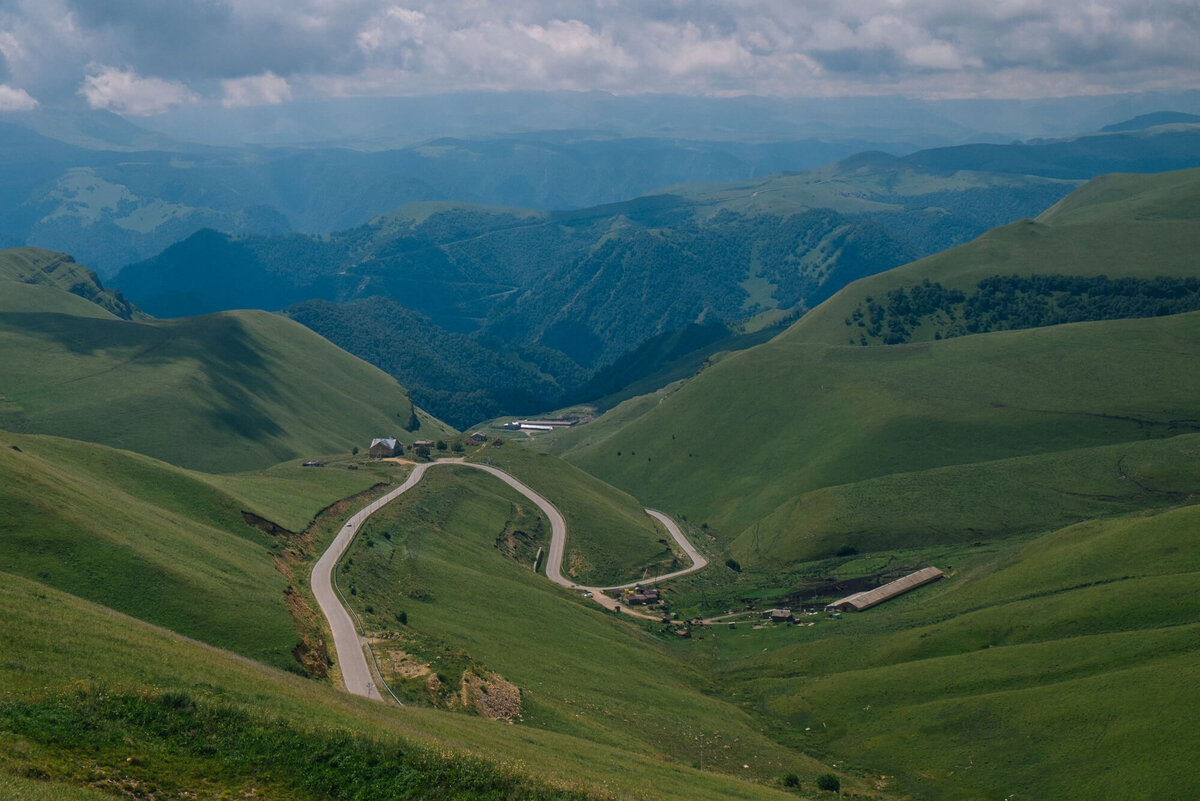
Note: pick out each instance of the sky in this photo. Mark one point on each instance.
(145, 57)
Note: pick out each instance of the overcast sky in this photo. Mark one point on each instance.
(142, 57)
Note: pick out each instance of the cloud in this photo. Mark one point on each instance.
(13, 99)
(125, 92)
(267, 89)
(773, 47)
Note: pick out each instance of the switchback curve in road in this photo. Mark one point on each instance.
(349, 646)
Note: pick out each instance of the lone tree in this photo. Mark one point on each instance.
(829, 782)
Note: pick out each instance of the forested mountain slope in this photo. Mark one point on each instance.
(552, 298)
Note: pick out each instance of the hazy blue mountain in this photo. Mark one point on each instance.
(538, 303)
(1144, 121)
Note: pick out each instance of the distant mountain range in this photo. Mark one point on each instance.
(517, 309)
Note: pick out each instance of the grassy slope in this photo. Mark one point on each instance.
(169, 546)
(37, 267)
(970, 688)
(582, 672)
(821, 414)
(1116, 225)
(1029, 670)
(610, 539)
(236, 390)
(982, 501)
(62, 653)
(157, 542)
(829, 415)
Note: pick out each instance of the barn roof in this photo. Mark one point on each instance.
(387, 442)
(865, 600)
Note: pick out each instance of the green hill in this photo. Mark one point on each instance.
(224, 392)
(1052, 472)
(159, 543)
(1063, 666)
(108, 557)
(551, 299)
(823, 413)
(95, 704)
(45, 268)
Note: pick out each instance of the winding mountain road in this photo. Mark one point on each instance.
(350, 647)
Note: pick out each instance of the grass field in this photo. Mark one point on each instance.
(159, 543)
(474, 613)
(982, 501)
(823, 416)
(232, 391)
(610, 539)
(1061, 668)
(93, 703)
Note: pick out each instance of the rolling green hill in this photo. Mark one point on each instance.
(824, 414)
(109, 556)
(1052, 472)
(95, 704)
(1062, 666)
(156, 542)
(45, 268)
(524, 307)
(225, 392)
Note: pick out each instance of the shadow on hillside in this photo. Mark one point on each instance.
(228, 357)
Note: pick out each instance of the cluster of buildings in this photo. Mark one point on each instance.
(642, 596)
(387, 447)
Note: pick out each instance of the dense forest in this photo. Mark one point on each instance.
(1010, 302)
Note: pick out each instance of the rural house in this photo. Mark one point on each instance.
(385, 447)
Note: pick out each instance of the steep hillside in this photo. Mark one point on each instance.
(825, 412)
(557, 297)
(96, 704)
(224, 392)
(821, 415)
(156, 542)
(37, 267)
(1051, 472)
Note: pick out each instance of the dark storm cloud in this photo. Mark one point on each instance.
(145, 55)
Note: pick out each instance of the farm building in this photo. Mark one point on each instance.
(865, 600)
(385, 447)
(778, 615)
(479, 436)
(555, 423)
(642, 596)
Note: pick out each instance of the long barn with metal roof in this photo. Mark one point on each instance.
(865, 600)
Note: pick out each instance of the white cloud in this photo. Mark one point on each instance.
(14, 99)
(816, 47)
(267, 89)
(126, 92)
